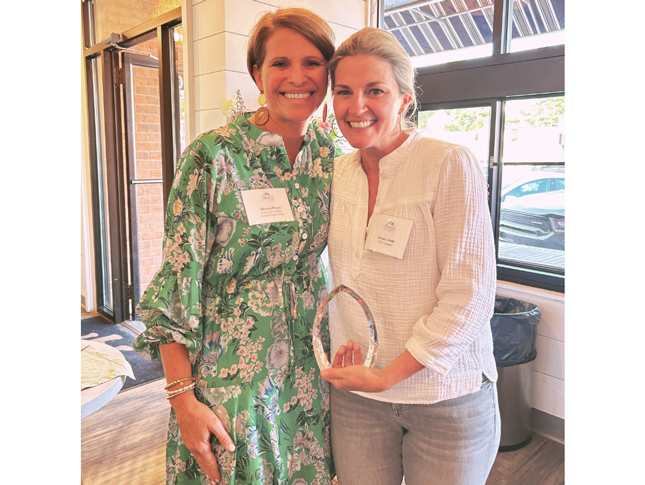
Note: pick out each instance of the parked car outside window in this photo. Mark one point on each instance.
(532, 211)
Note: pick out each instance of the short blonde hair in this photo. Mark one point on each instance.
(303, 21)
(370, 41)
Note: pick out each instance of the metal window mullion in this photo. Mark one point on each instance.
(444, 24)
(468, 12)
(521, 20)
(537, 27)
(164, 41)
(409, 36)
(546, 9)
(425, 29)
(428, 32)
(448, 28)
(489, 15)
(402, 8)
(495, 167)
(501, 27)
(131, 159)
(469, 23)
(91, 66)
(116, 197)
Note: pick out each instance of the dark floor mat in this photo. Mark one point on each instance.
(99, 329)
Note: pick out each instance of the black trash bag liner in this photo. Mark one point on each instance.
(514, 327)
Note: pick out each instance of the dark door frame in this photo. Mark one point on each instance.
(107, 53)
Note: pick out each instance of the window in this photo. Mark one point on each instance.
(491, 77)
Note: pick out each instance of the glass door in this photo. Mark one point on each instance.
(135, 116)
(149, 170)
(144, 177)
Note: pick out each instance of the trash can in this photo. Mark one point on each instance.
(514, 328)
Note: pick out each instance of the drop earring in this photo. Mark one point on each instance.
(324, 117)
(262, 113)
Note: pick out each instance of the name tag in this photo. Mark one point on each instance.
(388, 235)
(264, 206)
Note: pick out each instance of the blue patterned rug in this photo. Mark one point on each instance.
(101, 330)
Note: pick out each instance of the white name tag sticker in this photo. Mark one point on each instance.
(264, 206)
(388, 235)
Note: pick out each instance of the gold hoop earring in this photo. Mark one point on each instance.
(324, 117)
(262, 113)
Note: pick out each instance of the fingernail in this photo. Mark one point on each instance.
(231, 447)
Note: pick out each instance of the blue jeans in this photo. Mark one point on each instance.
(450, 442)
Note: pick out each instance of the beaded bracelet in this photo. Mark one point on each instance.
(181, 391)
(168, 386)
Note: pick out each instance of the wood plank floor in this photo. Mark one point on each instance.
(541, 462)
(124, 444)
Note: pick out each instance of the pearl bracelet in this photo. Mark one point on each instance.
(178, 381)
(180, 391)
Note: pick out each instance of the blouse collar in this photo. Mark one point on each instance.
(392, 161)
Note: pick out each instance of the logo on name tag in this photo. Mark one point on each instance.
(389, 226)
(268, 197)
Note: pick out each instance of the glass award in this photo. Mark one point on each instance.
(321, 358)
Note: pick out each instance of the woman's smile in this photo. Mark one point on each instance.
(297, 95)
(361, 124)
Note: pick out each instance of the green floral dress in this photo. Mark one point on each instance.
(242, 299)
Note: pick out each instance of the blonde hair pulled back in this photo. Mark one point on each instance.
(370, 41)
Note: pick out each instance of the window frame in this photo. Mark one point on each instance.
(491, 81)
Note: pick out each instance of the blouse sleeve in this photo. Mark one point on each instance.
(466, 260)
(171, 306)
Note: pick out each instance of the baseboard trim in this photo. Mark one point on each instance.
(548, 425)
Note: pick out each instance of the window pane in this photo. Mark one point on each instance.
(442, 31)
(533, 182)
(119, 15)
(102, 186)
(537, 23)
(469, 127)
(150, 222)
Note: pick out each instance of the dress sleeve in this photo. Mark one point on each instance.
(171, 306)
(466, 259)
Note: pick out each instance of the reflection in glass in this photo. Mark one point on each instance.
(537, 23)
(101, 168)
(533, 182)
(442, 31)
(469, 127)
(144, 121)
(177, 36)
(149, 209)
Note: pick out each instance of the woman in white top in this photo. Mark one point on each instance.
(410, 233)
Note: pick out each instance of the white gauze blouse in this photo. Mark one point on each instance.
(437, 301)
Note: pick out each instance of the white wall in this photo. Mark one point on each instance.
(548, 384)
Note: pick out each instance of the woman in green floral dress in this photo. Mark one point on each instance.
(233, 303)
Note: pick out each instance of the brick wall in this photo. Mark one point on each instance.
(149, 199)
